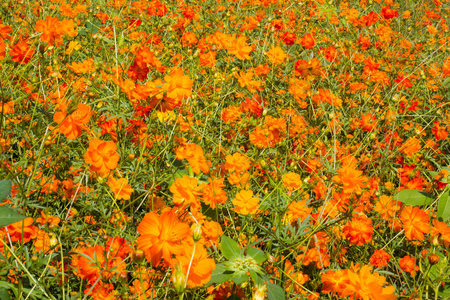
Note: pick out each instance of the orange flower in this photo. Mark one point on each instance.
(86, 66)
(142, 287)
(240, 48)
(199, 265)
(368, 122)
(415, 222)
(296, 280)
(21, 53)
(231, 114)
(440, 232)
(298, 210)
(211, 231)
(2, 49)
(194, 155)
(325, 96)
(299, 89)
(102, 156)
(178, 85)
(439, 132)
(22, 231)
(276, 55)
(48, 219)
(120, 188)
(4, 30)
(186, 191)
(213, 194)
(208, 59)
(262, 137)
(308, 41)
(101, 291)
(189, 39)
(387, 208)
(73, 125)
(245, 203)
(245, 80)
(237, 162)
(408, 264)
(67, 27)
(292, 181)
(370, 286)
(358, 283)
(411, 147)
(351, 179)
(50, 31)
(99, 262)
(44, 241)
(162, 236)
(380, 258)
(308, 69)
(359, 231)
(240, 179)
(336, 282)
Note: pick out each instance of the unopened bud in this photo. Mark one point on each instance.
(197, 231)
(53, 241)
(138, 256)
(179, 279)
(433, 259)
(260, 292)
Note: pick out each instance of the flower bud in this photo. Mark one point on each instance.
(138, 256)
(260, 292)
(433, 259)
(53, 241)
(197, 231)
(179, 279)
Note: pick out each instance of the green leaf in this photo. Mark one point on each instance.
(444, 294)
(446, 83)
(258, 279)
(9, 216)
(274, 292)
(413, 197)
(444, 206)
(5, 189)
(230, 249)
(93, 27)
(4, 295)
(218, 275)
(239, 277)
(257, 254)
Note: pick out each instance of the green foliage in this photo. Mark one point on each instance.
(414, 197)
(241, 266)
(7, 215)
(443, 211)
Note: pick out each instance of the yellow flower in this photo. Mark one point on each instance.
(73, 45)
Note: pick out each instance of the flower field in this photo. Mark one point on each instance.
(229, 149)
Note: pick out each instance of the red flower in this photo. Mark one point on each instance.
(308, 41)
(408, 264)
(359, 231)
(388, 13)
(21, 53)
(288, 38)
(415, 222)
(380, 258)
(439, 132)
